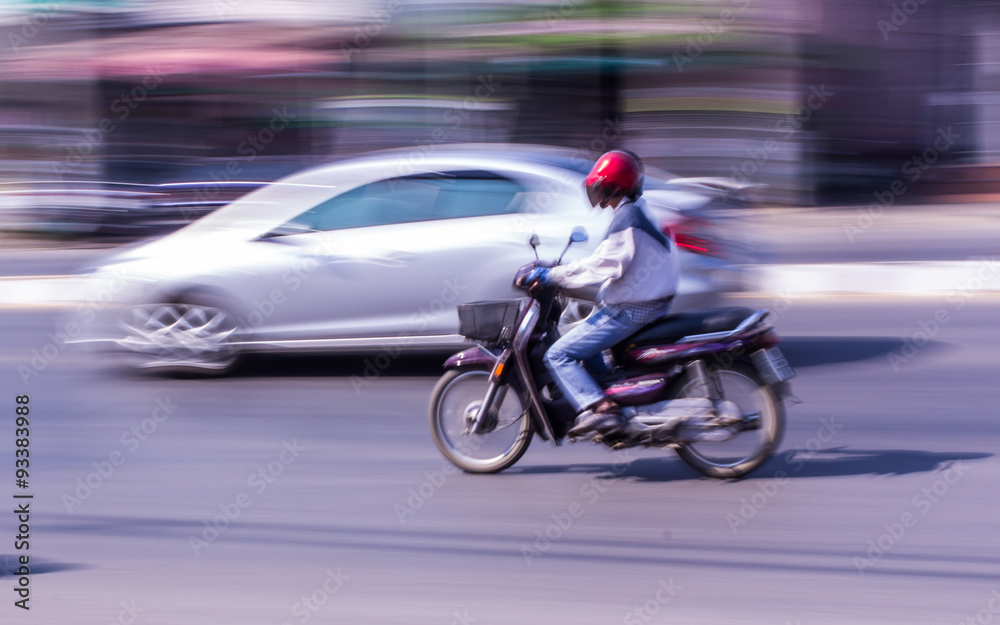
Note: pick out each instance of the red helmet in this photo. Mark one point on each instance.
(618, 172)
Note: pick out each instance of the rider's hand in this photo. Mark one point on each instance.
(537, 276)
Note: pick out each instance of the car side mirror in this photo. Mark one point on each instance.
(579, 235)
(533, 241)
(284, 230)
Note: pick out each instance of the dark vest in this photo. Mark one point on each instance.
(631, 216)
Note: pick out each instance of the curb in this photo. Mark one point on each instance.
(40, 291)
(885, 278)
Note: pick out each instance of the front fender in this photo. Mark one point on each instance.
(474, 356)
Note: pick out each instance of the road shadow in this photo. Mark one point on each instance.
(801, 352)
(668, 469)
(793, 463)
(841, 461)
(9, 565)
(369, 367)
(365, 366)
(809, 351)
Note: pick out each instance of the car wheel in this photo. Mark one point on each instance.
(194, 333)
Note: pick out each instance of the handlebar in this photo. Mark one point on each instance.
(578, 235)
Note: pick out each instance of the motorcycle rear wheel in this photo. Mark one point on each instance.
(746, 451)
(454, 401)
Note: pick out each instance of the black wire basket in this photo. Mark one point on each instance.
(489, 322)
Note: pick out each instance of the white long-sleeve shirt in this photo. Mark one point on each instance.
(634, 262)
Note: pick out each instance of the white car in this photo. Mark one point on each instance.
(369, 254)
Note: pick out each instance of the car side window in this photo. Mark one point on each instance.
(423, 197)
(376, 204)
(477, 194)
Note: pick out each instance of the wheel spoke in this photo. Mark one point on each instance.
(750, 445)
(506, 423)
(452, 406)
(184, 334)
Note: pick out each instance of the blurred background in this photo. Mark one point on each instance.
(823, 101)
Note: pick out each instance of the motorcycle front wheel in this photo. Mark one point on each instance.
(747, 450)
(455, 401)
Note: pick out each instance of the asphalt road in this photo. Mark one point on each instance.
(289, 493)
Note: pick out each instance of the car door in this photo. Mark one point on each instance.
(391, 258)
(469, 252)
(487, 219)
(341, 260)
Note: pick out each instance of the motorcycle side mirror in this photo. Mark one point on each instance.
(533, 241)
(579, 235)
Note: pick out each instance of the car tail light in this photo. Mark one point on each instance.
(694, 235)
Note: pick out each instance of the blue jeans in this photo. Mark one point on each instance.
(605, 327)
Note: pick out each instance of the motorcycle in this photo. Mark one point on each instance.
(711, 384)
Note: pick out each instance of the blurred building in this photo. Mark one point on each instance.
(819, 100)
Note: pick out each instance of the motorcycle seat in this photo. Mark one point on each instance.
(672, 328)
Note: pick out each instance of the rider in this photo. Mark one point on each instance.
(637, 268)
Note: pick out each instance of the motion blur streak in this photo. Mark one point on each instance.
(193, 183)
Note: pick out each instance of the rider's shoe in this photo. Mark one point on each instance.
(606, 421)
